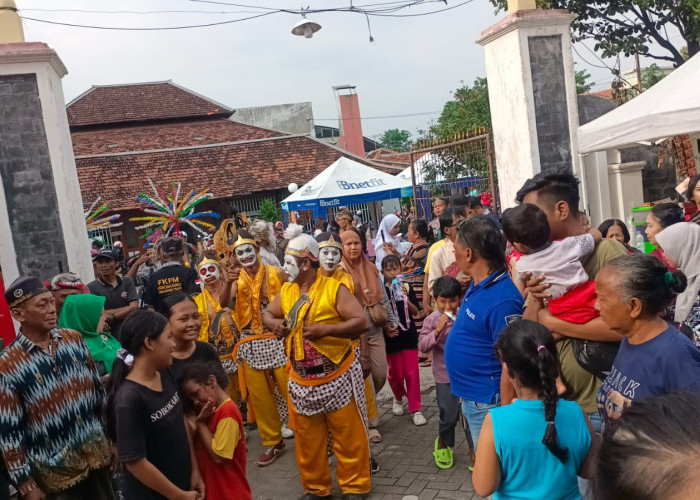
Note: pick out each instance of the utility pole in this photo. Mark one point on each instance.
(639, 73)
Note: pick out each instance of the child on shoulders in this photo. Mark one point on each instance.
(573, 295)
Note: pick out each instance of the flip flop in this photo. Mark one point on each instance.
(374, 435)
(444, 458)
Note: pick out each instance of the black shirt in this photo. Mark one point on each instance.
(150, 424)
(407, 338)
(170, 278)
(203, 353)
(121, 295)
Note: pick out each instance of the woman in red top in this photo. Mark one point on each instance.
(221, 440)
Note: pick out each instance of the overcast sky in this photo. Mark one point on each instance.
(412, 66)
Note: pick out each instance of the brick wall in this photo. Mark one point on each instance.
(551, 110)
(27, 179)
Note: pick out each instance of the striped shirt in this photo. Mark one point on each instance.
(51, 427)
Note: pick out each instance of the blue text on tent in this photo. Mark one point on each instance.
(359, 185)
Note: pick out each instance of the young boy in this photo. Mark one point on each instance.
(402, 347)
(573, 296)
(433, 335)
(221, 441)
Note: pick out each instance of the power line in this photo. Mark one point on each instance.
(137, 12)
(116, 28)
(380, 12)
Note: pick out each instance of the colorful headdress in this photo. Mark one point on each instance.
(95, 218)
(243, 237)
(329, 239)
(166, 212)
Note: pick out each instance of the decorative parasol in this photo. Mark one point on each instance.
(95, 218)
(168, 213)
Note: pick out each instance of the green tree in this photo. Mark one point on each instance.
(269, 211)
(582, 84)
(631, 26)
(651, 76)
(468, 109)
(396, 140)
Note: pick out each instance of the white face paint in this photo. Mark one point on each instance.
(209, 273)
(246, 255)
(329, 258)
(291, 267)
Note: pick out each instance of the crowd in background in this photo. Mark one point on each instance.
(569, 355)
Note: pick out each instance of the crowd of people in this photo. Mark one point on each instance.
(570, 357)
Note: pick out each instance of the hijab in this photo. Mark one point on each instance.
(363, 272)
(681, 243)
(82, 313)
(389, 222)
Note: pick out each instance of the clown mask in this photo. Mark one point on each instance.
(329, 258)
(209, 273)
(291, 267)
(246, 255)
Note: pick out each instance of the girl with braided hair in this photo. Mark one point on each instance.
(536, 446)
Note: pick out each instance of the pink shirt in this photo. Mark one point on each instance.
(427, 343)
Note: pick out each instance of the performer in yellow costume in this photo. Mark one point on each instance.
(251, 285)
(218, 327)
(330, 249)
(318, 316)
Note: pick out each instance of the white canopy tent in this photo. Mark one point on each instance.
(346, 182)
(671, 107)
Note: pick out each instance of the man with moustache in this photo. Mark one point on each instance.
(249, 287)
(51, 400)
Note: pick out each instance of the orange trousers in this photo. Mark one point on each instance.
(350, 446)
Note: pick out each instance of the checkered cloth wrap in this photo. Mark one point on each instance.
(330, 397)
(263, 354)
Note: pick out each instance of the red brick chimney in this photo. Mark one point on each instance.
(349, 122)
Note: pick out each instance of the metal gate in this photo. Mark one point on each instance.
(444, 169)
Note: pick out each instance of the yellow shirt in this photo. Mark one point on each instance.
(247, 313)
(433, 247)
(345, 278)
(322, 294)
(224, 339)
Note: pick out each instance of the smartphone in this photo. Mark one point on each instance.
(382, 233)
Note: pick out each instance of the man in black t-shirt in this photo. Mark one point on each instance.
(119, 291)
(171, 277)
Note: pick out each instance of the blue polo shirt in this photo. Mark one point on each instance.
(474, 371)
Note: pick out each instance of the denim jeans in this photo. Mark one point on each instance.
(475, 413)
(584, 485)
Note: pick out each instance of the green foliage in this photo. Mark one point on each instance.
(651, 76)
(632, 26)
(582, 84)
(468, 109)
(269, 212)
(396, 140)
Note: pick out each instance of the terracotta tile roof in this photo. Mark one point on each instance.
(607, 93)
(139, 102)
(227, 170)
(391, 157)
(165, 135)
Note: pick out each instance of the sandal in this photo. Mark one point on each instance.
(374, 436)
(444, 458)
(425, 363)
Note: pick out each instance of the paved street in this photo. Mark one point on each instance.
(407, 469)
